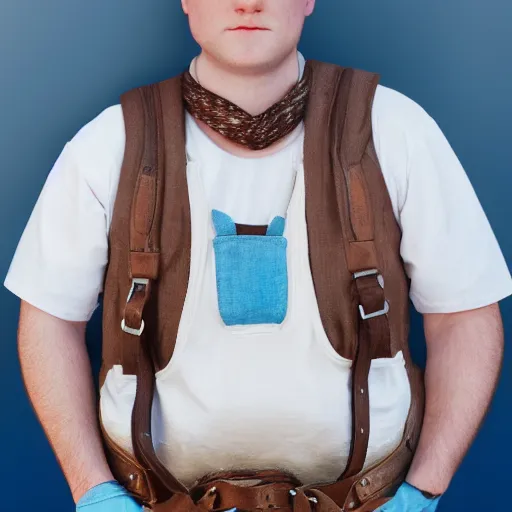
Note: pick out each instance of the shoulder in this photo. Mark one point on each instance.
(396, 112)
(103, 136)
(403, 132)
(97, 152)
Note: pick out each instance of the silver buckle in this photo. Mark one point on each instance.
(135, 281)
(370, 272)
(383, 311)
(380, 279)
(129, 330)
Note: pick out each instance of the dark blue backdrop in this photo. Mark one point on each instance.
(62, 62)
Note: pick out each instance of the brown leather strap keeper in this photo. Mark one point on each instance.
(361, 256)
(144, 264)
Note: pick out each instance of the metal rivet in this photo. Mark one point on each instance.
(364, 482)
(293, 492)
(351, 504)
(131, 476)
(362, 431)
(362, 391)
(313, 499)
(212, 491)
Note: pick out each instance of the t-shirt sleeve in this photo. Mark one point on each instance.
(60, 260)
(449, 249)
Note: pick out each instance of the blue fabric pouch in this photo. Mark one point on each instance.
(251, 270)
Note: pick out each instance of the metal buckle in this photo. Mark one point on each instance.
(370, 272)
(381, 312)
(135, 281)
(380, 280)
(129, 330)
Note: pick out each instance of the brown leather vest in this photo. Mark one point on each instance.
(354, 242)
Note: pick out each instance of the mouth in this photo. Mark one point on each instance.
(247, 28)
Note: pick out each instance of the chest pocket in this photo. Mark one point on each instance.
(251, 273)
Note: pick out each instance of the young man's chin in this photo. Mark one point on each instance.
(252, 60)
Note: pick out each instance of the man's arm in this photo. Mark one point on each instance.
(57, 374)
(464, 357)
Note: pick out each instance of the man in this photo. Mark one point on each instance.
(458, 274)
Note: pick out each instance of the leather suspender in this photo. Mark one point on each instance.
(144, 258)
(338, 158)
(368, 284)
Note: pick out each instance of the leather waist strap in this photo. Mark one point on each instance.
(251, 495)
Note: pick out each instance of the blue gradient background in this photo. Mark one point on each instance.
(62, 62)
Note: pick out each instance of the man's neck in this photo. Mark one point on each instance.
(254, 92)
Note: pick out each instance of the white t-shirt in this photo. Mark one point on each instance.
(213, 409)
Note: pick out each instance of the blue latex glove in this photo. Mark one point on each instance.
(409, 499)
(108, 497)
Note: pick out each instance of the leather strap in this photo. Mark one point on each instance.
(145, 225)
(372, 333)
(253, 496)
(146, 209)
(338, 132)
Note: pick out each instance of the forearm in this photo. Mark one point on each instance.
(57, 374)
(465, 353)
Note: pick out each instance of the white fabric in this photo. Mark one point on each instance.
(213, 409)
